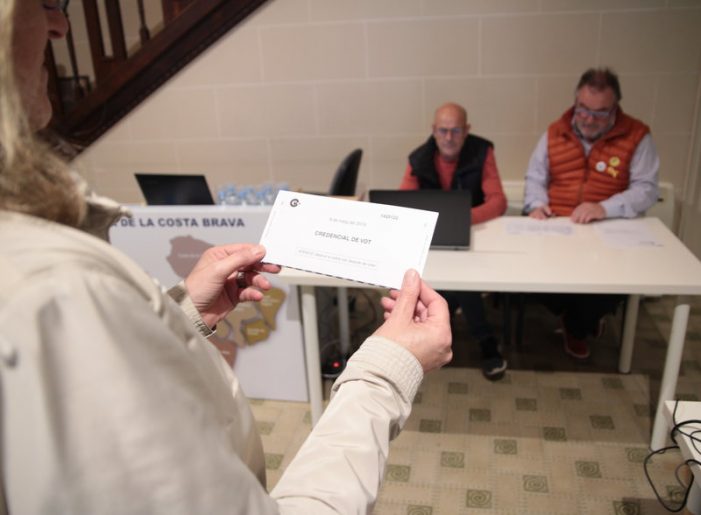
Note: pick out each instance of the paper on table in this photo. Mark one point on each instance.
(527, 225)
(360, 241)
(626, 233)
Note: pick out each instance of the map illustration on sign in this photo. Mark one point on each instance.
(249, 323)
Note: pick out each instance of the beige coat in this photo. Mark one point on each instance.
(111, 401)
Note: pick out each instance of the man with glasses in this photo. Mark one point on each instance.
(450, 159)
(595, 162)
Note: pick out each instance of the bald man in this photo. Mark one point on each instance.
(454, 159)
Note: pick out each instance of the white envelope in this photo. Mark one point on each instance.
(360, 241)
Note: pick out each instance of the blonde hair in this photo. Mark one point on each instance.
(33, 179)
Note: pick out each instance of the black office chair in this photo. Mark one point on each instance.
(346, 177)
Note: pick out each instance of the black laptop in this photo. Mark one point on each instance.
(453, 208)
(161, 189)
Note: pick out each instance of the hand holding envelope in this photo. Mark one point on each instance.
(417, 318)
(369, 243)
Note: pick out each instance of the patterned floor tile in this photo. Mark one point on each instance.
(505, 446)
(398, 473)
(602, 422)
(478, 499)
(526, 404)
(265, 428)
(612, 383)
(535, 483)
(273, 461)
(558, 437)
(587, 469)
(555, 434)
(430, 426)
(626, 507)
(480, 415)
(571, 394)
(457, 388)
(453, 459)
(675, 494)
(636, 454)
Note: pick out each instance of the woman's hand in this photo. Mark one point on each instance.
(226, 275)
(417, 318)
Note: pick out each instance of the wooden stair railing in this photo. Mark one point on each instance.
(84, 110)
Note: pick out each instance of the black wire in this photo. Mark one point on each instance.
(676, 430)
(652, 485)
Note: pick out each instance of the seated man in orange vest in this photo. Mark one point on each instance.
(595, 162)
(452, 158)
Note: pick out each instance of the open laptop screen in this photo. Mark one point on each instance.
(453, 208)
(173, 189)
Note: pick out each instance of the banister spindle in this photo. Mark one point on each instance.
(114, 21)
(75, 74)
(144, 33)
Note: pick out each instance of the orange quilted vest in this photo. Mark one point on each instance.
(577, 178)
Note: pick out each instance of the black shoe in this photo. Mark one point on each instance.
(494, 367)
(493, 363)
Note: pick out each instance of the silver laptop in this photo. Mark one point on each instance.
(453, 207)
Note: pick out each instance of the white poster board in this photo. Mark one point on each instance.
(262, 341)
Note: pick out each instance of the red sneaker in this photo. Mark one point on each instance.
(575, 347)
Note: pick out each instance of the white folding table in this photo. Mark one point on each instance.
(579, 262)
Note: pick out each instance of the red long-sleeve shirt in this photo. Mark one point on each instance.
(494, 199)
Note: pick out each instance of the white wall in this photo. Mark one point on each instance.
(287, 94)
(691, 195)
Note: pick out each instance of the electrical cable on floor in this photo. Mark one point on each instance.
(695, 441)
(366, 319)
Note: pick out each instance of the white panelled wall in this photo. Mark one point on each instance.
(691, 194)
(288, 93)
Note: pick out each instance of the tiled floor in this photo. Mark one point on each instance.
(555, 436)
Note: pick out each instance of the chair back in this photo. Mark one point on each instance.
(346, 177)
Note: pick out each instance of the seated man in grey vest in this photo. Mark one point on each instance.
(452, 159)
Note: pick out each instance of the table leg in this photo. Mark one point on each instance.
(630, 323)
(343, 319)
(675, 348)
(311, 352)
(506, 313)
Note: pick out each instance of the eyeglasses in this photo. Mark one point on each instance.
(455, 131)
(583, 112)
(56, 5)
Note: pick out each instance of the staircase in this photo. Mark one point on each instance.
(91, 93)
